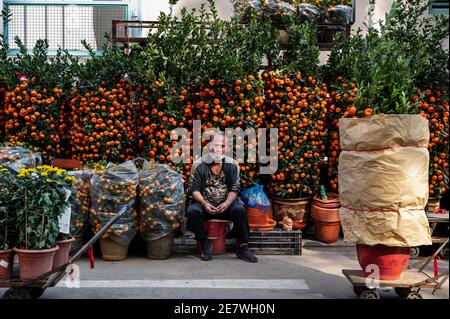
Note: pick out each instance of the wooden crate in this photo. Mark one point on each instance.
(276, 242)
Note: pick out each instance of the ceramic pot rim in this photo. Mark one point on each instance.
(66, 241)
(35, 251)
(292, 200)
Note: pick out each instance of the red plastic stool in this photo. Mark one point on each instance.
(217, 232)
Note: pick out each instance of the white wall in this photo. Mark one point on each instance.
(151, 8)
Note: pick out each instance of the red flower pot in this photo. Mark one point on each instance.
(6, 263)
(391, 261)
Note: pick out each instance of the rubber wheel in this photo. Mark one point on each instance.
(36, 293)
(17, 293)
(414, 252)
(369, 294)
(444, 253)
(402, 292)
(414, 295)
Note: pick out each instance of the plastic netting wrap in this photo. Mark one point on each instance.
(273, 9)
(308, 12)
(254, 197)
(15, 158)
(279, 8)
(113, 190)
(162, 201)
(340, 14)
(82, 200)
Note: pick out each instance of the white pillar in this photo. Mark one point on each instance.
(1, 19)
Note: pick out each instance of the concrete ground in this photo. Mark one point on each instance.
(317, 273)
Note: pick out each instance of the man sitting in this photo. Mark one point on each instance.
(215, 186)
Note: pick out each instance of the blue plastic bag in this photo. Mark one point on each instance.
(254, 197)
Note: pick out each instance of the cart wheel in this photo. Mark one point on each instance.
(16, 293)
(444, 253)
(36, 293)
(414, 295)
(369, 294)
(358, 290)
(414, 252)
(402, 292)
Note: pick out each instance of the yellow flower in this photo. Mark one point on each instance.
(44, 174)
(69, 179)
(48, 180)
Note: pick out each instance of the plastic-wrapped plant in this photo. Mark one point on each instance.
(7, 216)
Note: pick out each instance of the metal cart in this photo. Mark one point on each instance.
(408, 286)
(434, 220)
(33, 289)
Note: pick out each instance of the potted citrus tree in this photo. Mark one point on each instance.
(383, 166)
(7, 234)
(42, 196)
(295, 104)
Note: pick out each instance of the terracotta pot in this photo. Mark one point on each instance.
(160, 248)
(296, 208)
(256, 216)
(33, 263)
(270, 211)
(325, 214)
(391, 261)
(6, 263)
(113, 251)
(433, 204)
(62, 255)
(76, 245)
(283, 38)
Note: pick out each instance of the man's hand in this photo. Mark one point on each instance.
(210, 209)
(223, 207)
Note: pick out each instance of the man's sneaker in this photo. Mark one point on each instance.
(244, 253)
(207, 251)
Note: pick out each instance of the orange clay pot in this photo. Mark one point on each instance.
(326, 218)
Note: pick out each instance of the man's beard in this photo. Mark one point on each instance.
(216, 157)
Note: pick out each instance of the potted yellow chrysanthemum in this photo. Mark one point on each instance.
(42, 196)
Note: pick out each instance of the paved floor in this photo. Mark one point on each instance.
(315, 274)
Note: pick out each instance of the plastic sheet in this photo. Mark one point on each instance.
(162, 201)
(82, 200)
(279, 8)
(339, 14)
(15, 158)
(272, 9)
(254, 197)
(113, 190)
(307, 12)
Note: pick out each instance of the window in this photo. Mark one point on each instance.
(63, 23)
(439, 7)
